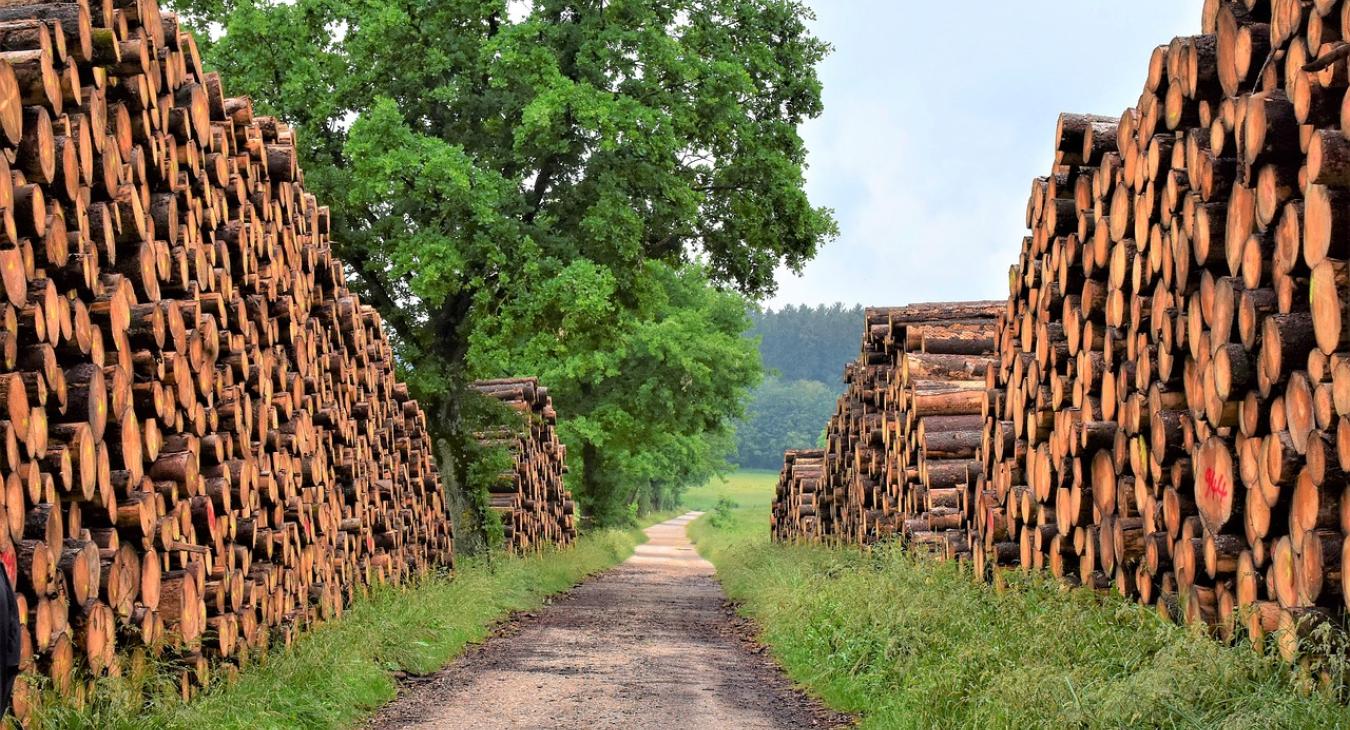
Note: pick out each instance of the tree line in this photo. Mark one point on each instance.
(591, 191)
(804, 350)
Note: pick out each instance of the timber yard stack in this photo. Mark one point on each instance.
(854, 489)
(1174, 363)
(937, 395)
(536, 509)
(1169, 414)
(900, 445)
(204, 444)
(800, 496)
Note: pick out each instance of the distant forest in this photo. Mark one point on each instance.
(804, 351)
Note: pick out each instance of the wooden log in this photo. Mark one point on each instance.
(202, 428)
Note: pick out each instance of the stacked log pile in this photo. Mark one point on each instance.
(799, 498)
(204, 446)
(1173, 388)
(939, 392)
(853, 489)
(900, 446)
(536, 509)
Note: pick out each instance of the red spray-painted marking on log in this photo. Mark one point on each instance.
(1215, 485)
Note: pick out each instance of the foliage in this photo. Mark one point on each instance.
(721, 514)
(502, 173)
(911, 643)
(782, 415)
(805, 348)
(800, 342)
(650, 390)
(343, 671)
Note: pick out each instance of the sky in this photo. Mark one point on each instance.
(938, 115)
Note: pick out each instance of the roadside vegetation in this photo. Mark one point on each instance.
(344, 670)
(751, 489)
(913, 643)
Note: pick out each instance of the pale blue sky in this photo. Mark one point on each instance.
(937, 117)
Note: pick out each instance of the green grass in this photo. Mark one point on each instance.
(747, 489)
(341, 672)
(909, 643)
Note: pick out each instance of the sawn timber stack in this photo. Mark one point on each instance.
(536, 509)
(203, 442)
(899, 446)
(1170, 412)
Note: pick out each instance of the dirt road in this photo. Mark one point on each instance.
(647, 644)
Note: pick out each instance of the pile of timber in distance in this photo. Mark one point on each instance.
(799, 497)
(939, 395)
(534, 506)
(1173, 415)
(203, 441)
(901, 443)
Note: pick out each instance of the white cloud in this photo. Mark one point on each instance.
(938, 115)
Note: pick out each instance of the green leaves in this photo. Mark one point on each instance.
(568, 189)
(783, 414)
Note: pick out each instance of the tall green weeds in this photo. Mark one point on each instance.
(910, 643)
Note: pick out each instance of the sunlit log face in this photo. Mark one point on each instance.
(1166, 408)
(204, 444)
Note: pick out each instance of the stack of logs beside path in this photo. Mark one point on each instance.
(800, 499)
(204, 445)
(1173, 415)
(536, 509)
(1169, 416)
(902, 443)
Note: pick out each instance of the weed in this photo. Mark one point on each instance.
(911, 643)
(722, 512)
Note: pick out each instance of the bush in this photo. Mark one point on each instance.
(722, 513)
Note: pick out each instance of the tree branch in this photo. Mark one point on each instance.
(393, 313)
(541, 185)
(1341, 51)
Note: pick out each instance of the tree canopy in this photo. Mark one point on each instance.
(782, 414)
(804, 350)
(801, 342)
(579, 190)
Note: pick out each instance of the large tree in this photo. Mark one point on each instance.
(651, 388)
(483, 156)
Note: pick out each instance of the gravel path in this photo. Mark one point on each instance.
(651, 643)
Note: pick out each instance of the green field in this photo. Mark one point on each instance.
(909, 643)
(748, 489)
(343, 671)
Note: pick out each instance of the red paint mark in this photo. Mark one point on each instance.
(1215, 485)
(9, 559)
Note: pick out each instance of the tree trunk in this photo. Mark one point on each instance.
(596, 491)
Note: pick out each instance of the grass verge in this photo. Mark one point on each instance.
(907, 643)
(342, 671)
